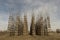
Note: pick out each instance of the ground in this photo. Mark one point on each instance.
(54, 36)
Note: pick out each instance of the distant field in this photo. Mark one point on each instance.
(52, 36)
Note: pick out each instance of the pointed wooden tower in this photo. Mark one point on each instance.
(19, 28)
(25, 28)
(32, 28)
(45, 27)
(39, 26)
(48, 23)
(11, 27)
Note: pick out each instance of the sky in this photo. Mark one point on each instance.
(7, 7)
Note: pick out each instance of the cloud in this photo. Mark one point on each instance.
(38, 6)
(43, 8)
(3, 25)
(3, 21)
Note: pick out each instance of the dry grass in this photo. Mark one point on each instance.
(54, 36)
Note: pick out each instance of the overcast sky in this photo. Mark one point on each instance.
(8, 7)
